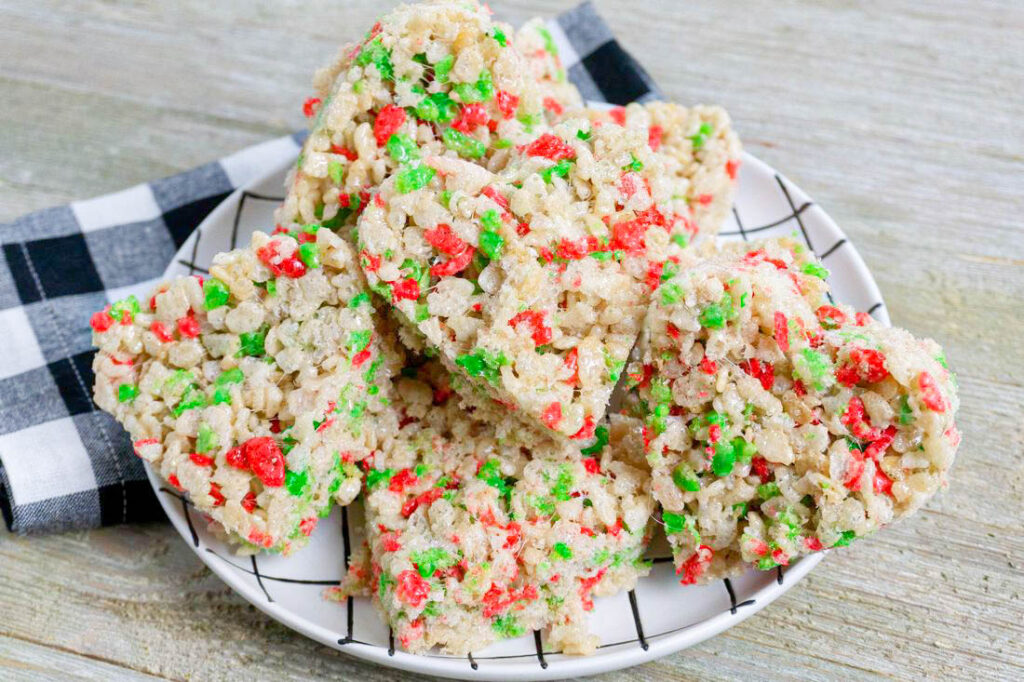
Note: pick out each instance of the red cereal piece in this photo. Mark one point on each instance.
(830, 317)
(540, 333)
(471, 116)
(866, 365)
(551, 415)
(201, 460)
(731, 167)
(261, 539)
(759, 467)
(693, 568)
(588, 584)
(307, 526)
(265, 460)
(586, 431)
(218, 497)
(782, 331)
(592, 465)
(160, 332)
(862, 319)
(572, 362)
(389, 119)
(371, 263)
(813, 544)
(423, 500)
(654, 137)
(930, 394)
(762, 371)
(552, 105)
(855, 420)
(188, 326)
(618, 114)
(444, 239)
(405, 289)
(101, 321)
(235, 458)
(173, 480)
(143, 443)
(507, 103)
(311, 106)
(707, 365)
(882, 483)
(549, 146)
(346, 152)
(401, 480)
(359, 358)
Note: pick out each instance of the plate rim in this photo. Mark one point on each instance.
(657, 647)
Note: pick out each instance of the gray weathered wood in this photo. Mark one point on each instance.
(903, 119)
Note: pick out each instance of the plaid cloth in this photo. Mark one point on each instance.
(65, 465)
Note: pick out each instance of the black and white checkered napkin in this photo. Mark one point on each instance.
(65, 465)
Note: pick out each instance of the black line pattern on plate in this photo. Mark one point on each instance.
(391, 642)
(349, 602)
(472, 663)
(775, 223)
(832, 249)
(259, 578)
(635, 608)
(192, 267)
(732, 597)
(540, 649)
(277, 579)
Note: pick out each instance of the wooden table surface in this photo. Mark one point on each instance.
(903, 119)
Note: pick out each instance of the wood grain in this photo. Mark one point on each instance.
(903, 119)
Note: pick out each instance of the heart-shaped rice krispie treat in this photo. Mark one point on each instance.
(532, 282)
(777, 424)
(480, 530)
(427, 78)
(255, 390)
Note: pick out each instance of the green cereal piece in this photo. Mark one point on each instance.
(702, 135)
(402, 148)
(272, 287)
(507, 626)
(635, 165)
(491, 244)
(490, 473)
(359, 299)
(713, 317)
(499, 36)
(686, 478)
(906, 414)
(377, 477)
(744, 450)
(767, 491)
(359, 340)
(437, 108)
(422, 312)
(584, 134)
(561, 550)
(562, 490)
(309, 253)
(482, 363)
(815, 270)
(724, 459)
(490, 220)
(375, 53)
(671, 293)
(128, 305)
(412, 178)
(669, 270)
(601, 433)
(207, 439)
(191, 399)
(432, 560)
(766, 563)
(251, 344)
(561, 169)
(549, 42)
(846, 538)
(462, 144)
(674, 523)
(660, 391)
(127, 393)
(215, 293)
(336, 171)
(443, 68)
(295, 482)
(502, 143)
(680, 240)
(740, 508)
(814, 368)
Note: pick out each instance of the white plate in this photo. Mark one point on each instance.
(658, 618)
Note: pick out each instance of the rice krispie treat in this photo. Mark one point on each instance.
(532, 282)
(557, 93)
(428, 77)
(777, 424)
(479, 530)
(256, 390)
(703, 154)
